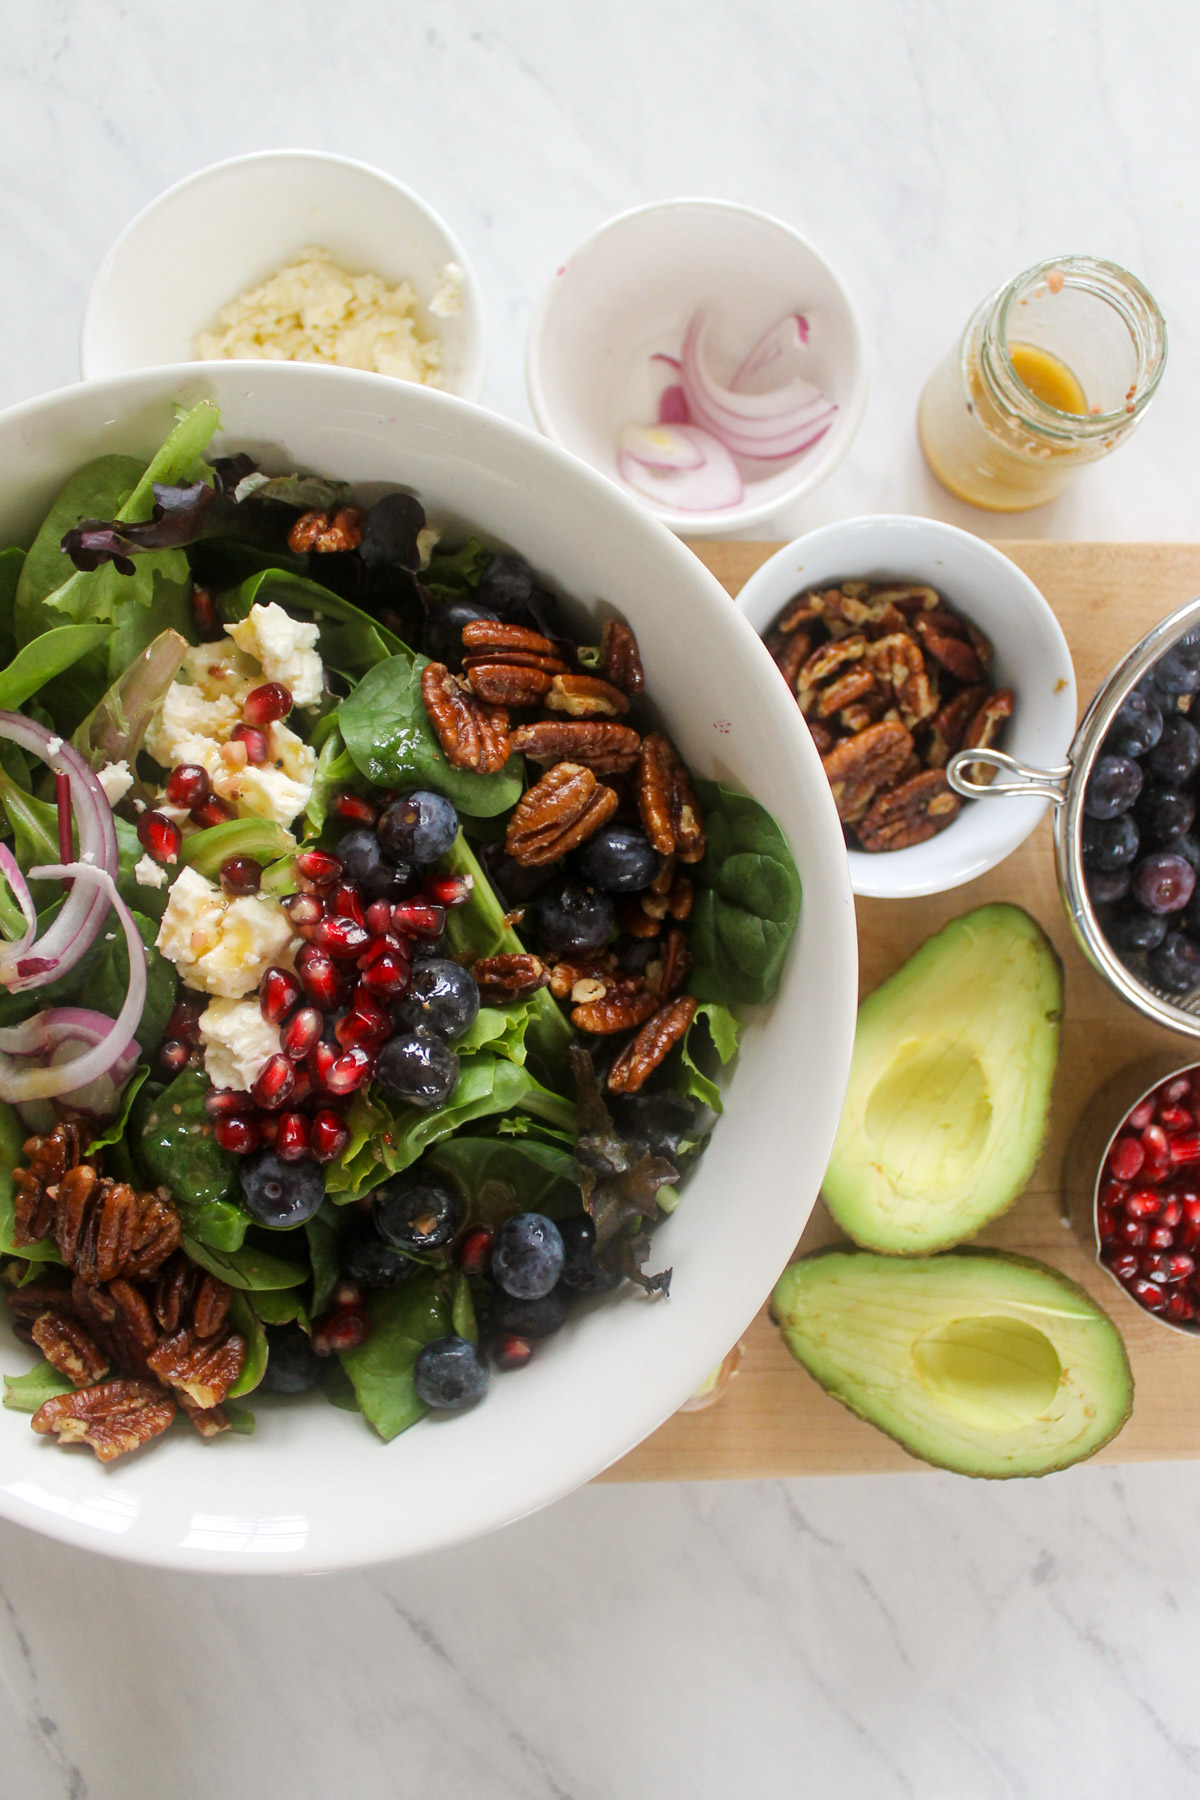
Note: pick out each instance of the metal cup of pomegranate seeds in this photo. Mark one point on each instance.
(1131, 1186)
(1125, 803)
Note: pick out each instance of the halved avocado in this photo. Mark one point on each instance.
(949, 1086)
(976, 1361)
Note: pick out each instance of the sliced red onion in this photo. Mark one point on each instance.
(673, 406)
(58, 1037)
(767, 426)
(21, 1083)
(24, 965)
(782, 340)
(710, 487)
(660, 447)
(22, 896)
(661, 356)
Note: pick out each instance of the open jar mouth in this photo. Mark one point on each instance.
(1094, 319)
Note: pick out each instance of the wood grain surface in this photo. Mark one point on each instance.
(774, 1420)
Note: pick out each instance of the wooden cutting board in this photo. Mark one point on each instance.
(774, 1420)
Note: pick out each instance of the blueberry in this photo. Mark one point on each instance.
(635, 955)
(1175, 965)
(417, 1211)
(1163, 814)
(418, 1068)
(1176, 756)
(442, 996)
(656, 1124)
(1131, 927)
(368, 1260)
(390, 536)
(1187, 845)
(418, 828)
(507, 582)
(1109, 843)
(527, 1258)
(359, 853)
(571, 919)
(515, 884)
(581, 1272)
(293, 1366)
(529, 1318)
(1137, 727)
(444, 628)
(545, 614)
(621, 859)
(280, 1195)
(1105, 889)
(1113, 786)
(1177, 671)
(1163, 883)
(450, 1374)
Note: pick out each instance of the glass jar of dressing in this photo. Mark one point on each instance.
(1053, 371)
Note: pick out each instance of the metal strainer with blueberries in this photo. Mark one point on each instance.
(1126, 841)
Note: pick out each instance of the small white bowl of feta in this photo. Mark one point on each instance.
(289, 256)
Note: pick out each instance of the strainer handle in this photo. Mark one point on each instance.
(1039, 784)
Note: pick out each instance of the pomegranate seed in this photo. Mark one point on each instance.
(279, 995)
(328, 1136)
(1150, 1293)
(241, 875)
(475, 1250)
(263, 705)
(1144, 1203)
(510, 1351)
(448, 890)
(268, 1125)
(184, 1022)
(318, 866)
(357, 810)
(1171, 1214)
(1177, 1090)
(346, 902)
(343, 938)
(160, 836)
(302, 1093)
(1154, 1266)
(346, 1293)
(1174, 1118)
(418, 921)
(387, 975)
(1106, 1223)
(366, 1024)
(226, 1103)
(274, 1082)
(237, 1133)
(319, 977)
(188, 785)
(204, 612)
(301, 1032)
(321, 1059)
(345, 1329)
(291, 1140)
(1123, 1263)
(1181, 1267)
(1142, 1114)
(380, 946)
(1126, 1158)
(1185, 1148)
(1180, 1307)
(1162, 1237)
(1132, 1231)
(257, 743)
(378, 917)
(174, 1056)
(1113, 1193)
(349, 1070)
(212, 812)
(1154, 1143)
(303, 909)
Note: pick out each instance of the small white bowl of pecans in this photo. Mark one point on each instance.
(905, 640)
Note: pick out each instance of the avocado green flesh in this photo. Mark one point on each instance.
(950, 1086)
(977, 1361)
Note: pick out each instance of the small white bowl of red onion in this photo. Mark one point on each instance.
(705, 357)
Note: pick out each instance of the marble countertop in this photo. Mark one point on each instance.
(884, 1637)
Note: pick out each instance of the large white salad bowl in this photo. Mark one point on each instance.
(314, 1488)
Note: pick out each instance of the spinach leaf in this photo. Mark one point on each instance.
(243, 1318)
(179, 458)
(217, 1224)
(12, 1138)
(387, 732)
(462, 1311)
(262, 839)
(241, 1420)
(114, 1131)
(403, 1321)
(34, 824)
(281, 1306)
(337, 1386)
(454, 574)
(501, 1177)
(44, 658)
(95, 491)
(247, 1269)
(323, 1232)
(723, 1032)
(25, 1393)
(176, 1143)
(351, 640)
(747, 900)
(150, 902)
(335, 769)
(114, 729)
(11, 562)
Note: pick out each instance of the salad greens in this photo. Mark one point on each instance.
(747, 900)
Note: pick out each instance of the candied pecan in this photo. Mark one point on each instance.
(831, 659)
(118, 1318)
(473, 735)
(112, 1419)
(985, 728)
(948, 726)
(513, 975)
(673, 965)
(649, 1048)
(669, 810)
(900, 667)
(618, 1011)
(52, 1289)
(496, 640)
(105, 1229)
(664, 880)
(859, 766)
(800, 611)
(956, 656)
(599, 744)
(341, 529)
(586, 697)
(558, 814)
(203, 1368)
(209, 1421)
(909, 814)
(909, 599)
(513, 659)
(849, 688)
(35, 1189)
(186, 1294)
(620, 659)
(633, 918)
(821, 736)
(790, 652)
(508, 684)
(864, 712)
(67, 1347)
(598, 972)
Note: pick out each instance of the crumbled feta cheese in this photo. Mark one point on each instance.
(447, 300)
(148, 873)
(278, 789)
(219, 945)
(237, 1042)
(116, 780)
(285, 648)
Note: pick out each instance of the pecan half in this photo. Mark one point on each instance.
(203, 1368)
(617, 1011)
(105, 1229)
(586, 697)
(652, 1044)
(848, 689)
(948, 726)
(209, 1421)
(620, 659)
(495, 640)
(832, 659)
(51, 1290)
(112, 1419)
(35, 1189)
(859, 766)
(671, 969)
(909, 814)
(508, 683)
(956, 656)
(472, 734)
(822, 737)
(633, 918)
(341, 529)
(596, 975)
(669, 810)
(186, 1294)
(508, 977)
(67, 1347)
(599, 744)
(985, 728)
(791, 652)
(910, 599)
(558, 814)
(900, 668)
(119, 1320)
